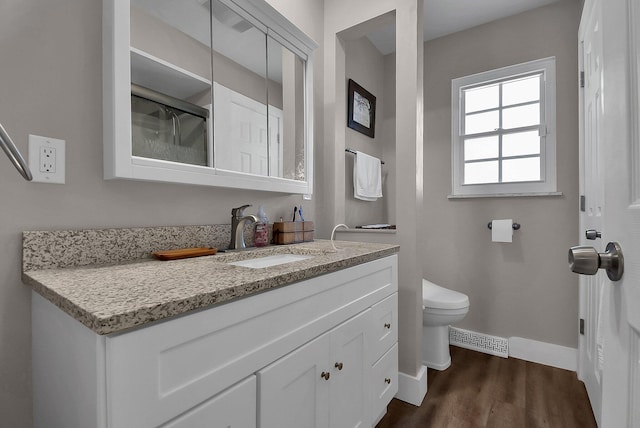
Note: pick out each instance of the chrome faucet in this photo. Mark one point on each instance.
(238, 220)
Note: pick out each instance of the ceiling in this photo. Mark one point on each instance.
(442, 17)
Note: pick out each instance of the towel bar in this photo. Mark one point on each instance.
(14, 155)
(353, 152)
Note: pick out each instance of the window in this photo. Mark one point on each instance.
(503, 131)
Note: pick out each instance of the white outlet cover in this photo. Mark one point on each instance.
(51, 173)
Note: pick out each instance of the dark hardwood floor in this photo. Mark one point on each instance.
(481, 390)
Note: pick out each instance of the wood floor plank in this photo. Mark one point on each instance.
(481, 390)
(555, 397)
(506, 415)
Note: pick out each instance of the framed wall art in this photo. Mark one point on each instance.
(361, 111)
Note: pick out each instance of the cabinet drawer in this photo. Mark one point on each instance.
(384, 381)
(385, 326)
(233, 408)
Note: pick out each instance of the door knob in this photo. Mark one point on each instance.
(587, 260)
(592, 234)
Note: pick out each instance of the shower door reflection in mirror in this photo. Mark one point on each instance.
(171, 80)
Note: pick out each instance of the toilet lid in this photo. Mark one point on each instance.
(434, 296)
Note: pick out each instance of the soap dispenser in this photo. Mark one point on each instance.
(261, 230)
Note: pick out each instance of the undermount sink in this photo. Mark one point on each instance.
(268, 261)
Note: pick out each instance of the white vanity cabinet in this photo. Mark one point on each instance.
(254, 361)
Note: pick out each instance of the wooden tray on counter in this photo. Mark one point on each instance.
(184, 253)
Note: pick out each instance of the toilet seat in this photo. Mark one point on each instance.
(436, 297)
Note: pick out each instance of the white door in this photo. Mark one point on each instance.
(276, 149)
(615, 144)
(248, 137)
(240, 123)
(592, 187)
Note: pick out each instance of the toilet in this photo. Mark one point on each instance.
(440, 307)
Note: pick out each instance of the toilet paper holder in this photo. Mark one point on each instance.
(515, 226)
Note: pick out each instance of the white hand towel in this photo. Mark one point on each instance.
(367, 177)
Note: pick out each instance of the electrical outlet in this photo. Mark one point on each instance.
(47, 159)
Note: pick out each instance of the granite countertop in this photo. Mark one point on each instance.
(114, 297)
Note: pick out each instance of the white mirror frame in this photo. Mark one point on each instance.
(119, 163)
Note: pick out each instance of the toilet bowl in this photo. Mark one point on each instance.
(440, 307)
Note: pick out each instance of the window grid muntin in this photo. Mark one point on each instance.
(500, 131)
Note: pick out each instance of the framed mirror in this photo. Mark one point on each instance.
(207, 92)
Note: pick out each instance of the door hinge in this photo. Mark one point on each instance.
(582, 79)
(583, 203)
(582, 326)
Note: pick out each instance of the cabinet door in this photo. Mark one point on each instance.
(294, 391)
(233, 408)
(350, 371)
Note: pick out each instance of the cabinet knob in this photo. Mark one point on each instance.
(387, 325)
(325, 375)
(387, 380)
(338, 366)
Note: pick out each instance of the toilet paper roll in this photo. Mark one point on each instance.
(502, 230)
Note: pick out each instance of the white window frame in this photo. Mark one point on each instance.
(547, 184)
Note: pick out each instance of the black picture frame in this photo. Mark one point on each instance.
(363, 117)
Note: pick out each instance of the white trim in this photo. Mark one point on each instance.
(547, 151)
(505, 195)
(412, 389)
(530, 350)
(548, 354)
(634, 88)
(440, 367)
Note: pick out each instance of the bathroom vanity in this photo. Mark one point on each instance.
(309, 343)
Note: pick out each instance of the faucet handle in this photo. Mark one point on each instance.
(239, 212)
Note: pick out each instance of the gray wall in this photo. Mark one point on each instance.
(345, 21)
(525, 288)
(51, 83)
(366, 66)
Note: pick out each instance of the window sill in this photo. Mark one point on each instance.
(505, 195)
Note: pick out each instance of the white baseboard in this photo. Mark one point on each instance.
(548, 354)
(412, 389)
